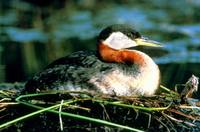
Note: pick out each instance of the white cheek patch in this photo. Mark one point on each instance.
(118, 40)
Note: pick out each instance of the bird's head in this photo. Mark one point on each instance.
(121, 37)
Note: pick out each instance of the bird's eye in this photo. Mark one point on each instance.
(136, 34)
(130, 35)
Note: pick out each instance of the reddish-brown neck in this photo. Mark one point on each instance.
(121, 56)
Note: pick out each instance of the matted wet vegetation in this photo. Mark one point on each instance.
(77, 111)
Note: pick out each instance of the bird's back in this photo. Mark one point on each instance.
(78, 71)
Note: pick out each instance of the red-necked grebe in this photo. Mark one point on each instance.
(114, 69)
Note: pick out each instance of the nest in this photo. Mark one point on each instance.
(82, 111)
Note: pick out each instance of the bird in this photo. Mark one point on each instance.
(115, 68)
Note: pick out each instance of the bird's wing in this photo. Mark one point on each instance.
(73, 71)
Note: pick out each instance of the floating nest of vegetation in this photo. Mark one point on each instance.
(81, 111)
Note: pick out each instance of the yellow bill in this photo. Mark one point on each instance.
(147, 42)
